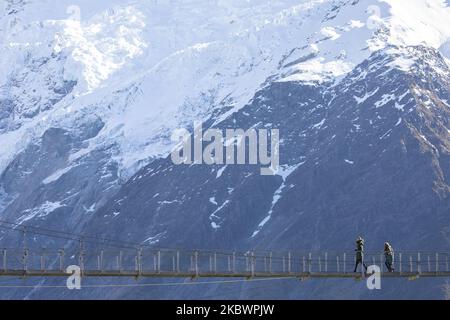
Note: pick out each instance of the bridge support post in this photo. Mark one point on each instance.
(446, 263)
(337, 264)
(289, 262)
(310, 262)
(43, 260)
(196, 263)
(4, 259)
(101, 261)
(119, 261)
(178, 261)
(81, 257)
(400, 262)
(345, 258)
(215, 263)
(61, 260)
(437, 262)
(253, 263)
(210, 263)
(326, 261)
(159, 261)
(173, 263)
(419, 267)
(139, 261)
(363, 273)
(234, 262)
(429, 263)
(247, 267)
(25, 260)
(410, 264)
(270, 262)
(303, 264)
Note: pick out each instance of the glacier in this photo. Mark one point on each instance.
(146, 69)
(90, 93)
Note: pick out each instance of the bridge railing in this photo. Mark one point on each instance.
(197, 262)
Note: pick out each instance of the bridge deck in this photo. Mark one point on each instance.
(153, 274)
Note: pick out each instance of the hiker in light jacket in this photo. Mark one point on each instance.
(389, 256)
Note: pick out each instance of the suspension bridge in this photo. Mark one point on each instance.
(114, 258)
(212, 264)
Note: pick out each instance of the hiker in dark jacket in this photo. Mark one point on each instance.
(360, 253)
(389, 256)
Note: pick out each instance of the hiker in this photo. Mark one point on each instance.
(359, 253)
(389, 256)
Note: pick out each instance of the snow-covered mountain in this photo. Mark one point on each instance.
(90, 93)
(147, 68)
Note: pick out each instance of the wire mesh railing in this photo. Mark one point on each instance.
(198, 262)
